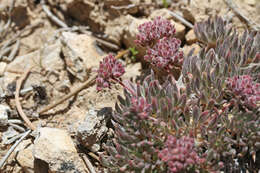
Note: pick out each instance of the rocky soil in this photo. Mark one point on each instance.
(63, 42)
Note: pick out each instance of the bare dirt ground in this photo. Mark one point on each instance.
(63, 42)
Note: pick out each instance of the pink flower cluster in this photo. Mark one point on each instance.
(243, 86)
(179, 154)
(165, 54)
(109, 69)
(155, 30)
(141, 107)
(162, 48)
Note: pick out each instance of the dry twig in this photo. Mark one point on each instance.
(12, 148)
(101, 41)
(22, 92)
(89, 165)
(4, 45)
(107, 44)
(3, 31)
(86, 84)
(14, 51)
(51, 16)
(17, 101)
(94, 156)
(242, 17)
(122, 53)
(181, 19)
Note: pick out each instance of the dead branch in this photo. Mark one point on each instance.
(3, 31)
(52, 16)
(94, 156)
(122, 53)
(89, 164)
(17, 101)
(7, 43)
(181, 19)
(107, 44)
(4, 52)
(14, 51)
(83, 30)
(3, 160)
(241, 16)
(86, 84)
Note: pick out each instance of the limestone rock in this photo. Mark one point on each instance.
(20, 16)
(104, 98)
(161, 12)
(47, 58)
(2, 68)
(251, 2)
(25, 156)
(132, 70)
(84, 47)
(115, 29)
(93, 129)
(80, 10)
(19, 13)
(186, 12)
(191, 37)
(9, 135)
(180, 30)
(117, 7)
(77, 116)
(87, 13)
(54, 151)
(4, 111)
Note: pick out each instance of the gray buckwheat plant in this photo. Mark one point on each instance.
(207, 119)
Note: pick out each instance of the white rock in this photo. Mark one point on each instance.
(132, 70)
(4, 111)
(25, 156)
(191, 37)
(47, 58)
(84, 47)
(93, 129)
(115, 7)
(56, 148)
(251, 2)
(115, 29)
(9, 135)
(77, 116)
(86, 12)
(2, 68)
(187, 14)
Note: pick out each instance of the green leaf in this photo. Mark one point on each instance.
(165, 4)
(133, 52)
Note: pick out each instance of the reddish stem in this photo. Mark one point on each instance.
(124, 86)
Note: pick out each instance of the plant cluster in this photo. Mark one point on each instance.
(150, 32)
(165, 54)
(243, 87)
(162, 48)
(207, 121)
(211, 31)
(109, 69)
(179, 154)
